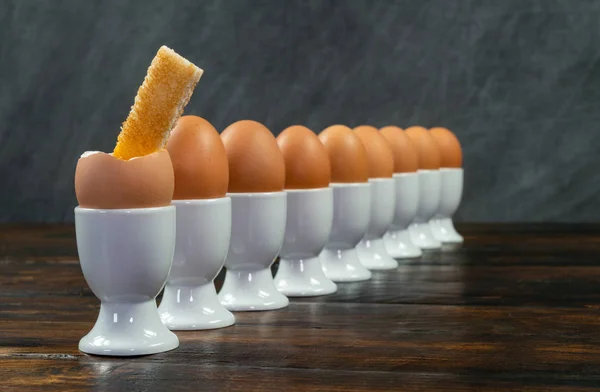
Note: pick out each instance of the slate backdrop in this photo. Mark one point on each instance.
(518, 81)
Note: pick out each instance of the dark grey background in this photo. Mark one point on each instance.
(518, 81)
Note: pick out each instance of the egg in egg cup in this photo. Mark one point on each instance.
(124, 223)
(452, 173)
(309, 214)
(371, 249)
(258, 212)
(397, 240)
(203, 210)
(125, 241)
(430, 187)
(351, 204)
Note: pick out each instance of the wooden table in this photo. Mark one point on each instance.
(517, 308)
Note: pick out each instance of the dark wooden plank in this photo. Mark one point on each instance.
(25, 242)
(475, 285)
(516, 308)
(443, 283)
(67, 374)
(357, 337)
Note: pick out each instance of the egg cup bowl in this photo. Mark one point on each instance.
(441, 224)
(308, 225)
(371, 249)
(351, 216)
(397, 239)
(126, 257)
(258, 226)
(190, 300)
(430, 187)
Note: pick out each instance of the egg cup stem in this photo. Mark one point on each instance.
(308, 226)
(258, 227)
(351, 216)
(125, 257)
(371, 249)
(193, 308)
(190, 300)
(397, 240)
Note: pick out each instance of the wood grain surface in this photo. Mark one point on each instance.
(517, 308)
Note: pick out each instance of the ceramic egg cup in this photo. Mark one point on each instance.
(308, 225)
(351, 215)
(125, 257)
(430, 184)
(441, 225)
(397, 240)
(371, 249)
(190, 300)
(258, 227)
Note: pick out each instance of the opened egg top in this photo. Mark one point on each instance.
(427, 149)
(379, 154)
(139, 172)
(199, 160)
(255, 161)
(403, 149)
(449, 146)
(103, 181)
(306, 160)
(347, 154)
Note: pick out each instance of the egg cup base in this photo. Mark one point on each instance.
(245, 290)
(343, 265)
(373, 255)
(128, 329)
(422, 237)
(400, 246)
(303, 278)
(185, 308)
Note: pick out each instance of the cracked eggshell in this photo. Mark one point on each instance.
(103, 181)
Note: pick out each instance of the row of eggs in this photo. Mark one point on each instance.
(353, 200)
(248, 158)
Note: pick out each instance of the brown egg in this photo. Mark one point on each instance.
(449, 146)
(379, 154)
(406, 159)
(306, 160)
(199, 160)
(255, 161)
(347, 154)
(103, 181)
(427, 150)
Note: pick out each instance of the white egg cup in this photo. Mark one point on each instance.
(190, 300)
(430, 185)
(307, 229)
(397, 240)
(351, 216)
(258, 227)
(125, 257)
(371, 249)
(441, 224)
